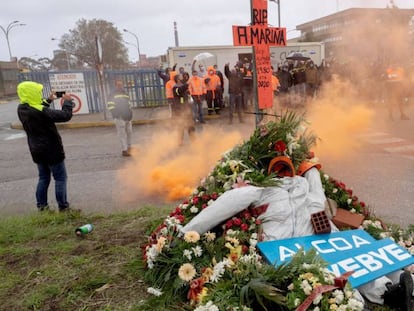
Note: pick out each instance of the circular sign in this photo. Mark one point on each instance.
(76, 101)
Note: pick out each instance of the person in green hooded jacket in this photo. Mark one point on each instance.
(45, 143)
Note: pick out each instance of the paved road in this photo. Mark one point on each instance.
(381, 174)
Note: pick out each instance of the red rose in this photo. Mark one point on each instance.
(244, 227)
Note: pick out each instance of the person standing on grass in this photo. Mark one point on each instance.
(45, 143)
(120, 107)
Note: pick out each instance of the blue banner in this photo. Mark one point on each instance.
(353, 250)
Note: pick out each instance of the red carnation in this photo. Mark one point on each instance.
(237, 221)
(195, 200)
(280, 146)
(229, 224)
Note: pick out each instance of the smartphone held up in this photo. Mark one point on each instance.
(60, 94)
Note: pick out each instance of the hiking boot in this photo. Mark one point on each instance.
(399, 295)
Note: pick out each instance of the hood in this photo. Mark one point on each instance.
(209, 68)
(30, 93)
(172, 75)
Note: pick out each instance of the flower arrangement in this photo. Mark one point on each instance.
(221, 269)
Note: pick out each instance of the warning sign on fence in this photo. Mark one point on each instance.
(74, 84)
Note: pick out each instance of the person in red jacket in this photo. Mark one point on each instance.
(45, 143)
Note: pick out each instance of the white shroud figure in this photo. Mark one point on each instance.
(288, 214)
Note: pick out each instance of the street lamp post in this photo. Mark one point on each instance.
(6, 32)
(139, 53)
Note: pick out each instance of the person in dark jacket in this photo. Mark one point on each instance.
(181, 110)
(235, 78)
(120, 107)
(45, 143)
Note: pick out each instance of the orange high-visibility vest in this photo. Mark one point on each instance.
(196, 85)
(169, 85)
(213, 83)
(395, 74)
(275, 83)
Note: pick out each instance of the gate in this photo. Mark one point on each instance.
(144, 87)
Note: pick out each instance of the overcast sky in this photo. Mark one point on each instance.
(199, 22)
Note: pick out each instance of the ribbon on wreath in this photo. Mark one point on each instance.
(340, 282)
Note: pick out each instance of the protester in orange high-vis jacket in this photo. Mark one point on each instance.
(212, 83)
(196, 88)
(396, 90)
(275, 91)
(169, 89)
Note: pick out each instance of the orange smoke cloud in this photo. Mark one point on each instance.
(164, 170)
(337, 119)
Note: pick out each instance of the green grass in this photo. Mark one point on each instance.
(45, 266)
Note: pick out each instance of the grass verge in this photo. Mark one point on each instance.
(45, 266)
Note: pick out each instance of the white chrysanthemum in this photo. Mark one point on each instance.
(307, 288)
(191, 237)
(194, 209)
(219, 270)
(164, 231)
(197, 251)
(355, 305)
(334, 190)
(187, 272)
(210, 236)
(228, 185)
(188, 254)
(160, 244)
(209, 306)
(317, 299)
(378, 224)
(154, 291)
(253, 242)
(339, 296)
(183, 206)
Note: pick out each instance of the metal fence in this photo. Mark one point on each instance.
(144, 87)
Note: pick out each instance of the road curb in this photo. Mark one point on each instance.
(74, 125)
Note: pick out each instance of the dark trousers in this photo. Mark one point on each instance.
(235, 105)
(213, 103)
(59, 175)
